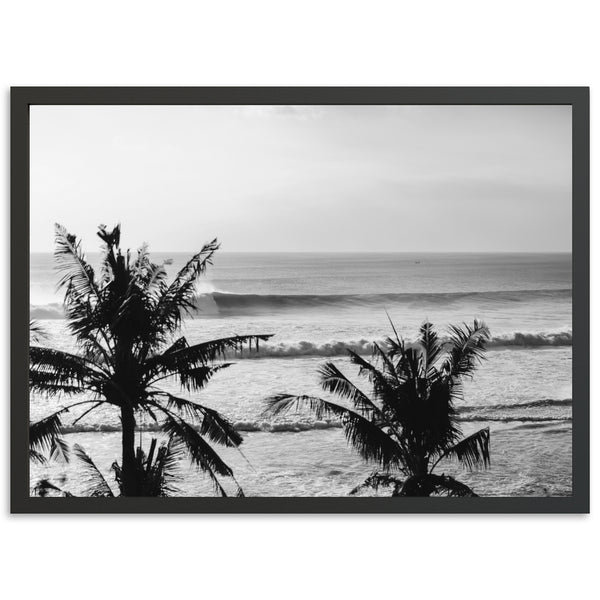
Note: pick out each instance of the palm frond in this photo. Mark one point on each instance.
(44, 486)
(444, 485)
(472, 452)
(193, 379)
(200, 451)
(239, 492)
(376, 481)
(75, 273)
(183, 357)
(46, 384)
(59, 449)
(153, 277)
(165, 467)
(398, 341)
(367, 438)
(178, 297)
(88, 411)
(334, 381)
(37, 457)
(384, 386)
(430, 345)
(55, 371)
(44, 433)
(157, 472)
(36, 331)
(213, 425)
(388, 366)
(467, 349)
(96, 484)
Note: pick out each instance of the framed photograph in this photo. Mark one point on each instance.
(321, 300)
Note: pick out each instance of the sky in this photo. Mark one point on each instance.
(305, 178)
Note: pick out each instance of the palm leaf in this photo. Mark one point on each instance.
(215, 426)
(53, 371)
(193, 379)
(36, 331)
(59, 449)
(200, 451)
(335, 382)
(390, 370)
(208, 352)
(383, 385)
(448, 486)
(467, 349)
(178, 297)
(36, 456)
(76, 274)
(96, 484)
(472, 452)
(43, 433)
(182, 358)
(166, 467)
(44, 486)
(429, 342)
(377, 481)
(367, 438)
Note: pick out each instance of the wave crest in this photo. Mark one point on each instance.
(308, 425)
(224, 303)
(364, 346)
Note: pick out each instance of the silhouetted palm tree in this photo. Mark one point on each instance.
(157, 473)
(125, 322)
(408, 423)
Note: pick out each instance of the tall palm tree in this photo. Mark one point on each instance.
(408, 424)
(125, 321)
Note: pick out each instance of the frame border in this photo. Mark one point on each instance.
(23, 97)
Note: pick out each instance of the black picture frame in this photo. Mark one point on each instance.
(23, 97)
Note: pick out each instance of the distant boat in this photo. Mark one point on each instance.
(169, 261)
(417, 262)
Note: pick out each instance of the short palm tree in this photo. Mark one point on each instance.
(408, 424)
(157, 473)
(125, 321)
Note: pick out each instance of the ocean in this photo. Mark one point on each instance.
(319, 305)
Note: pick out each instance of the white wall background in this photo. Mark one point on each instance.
(299, 43)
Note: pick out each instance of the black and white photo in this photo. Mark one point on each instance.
(301, 301)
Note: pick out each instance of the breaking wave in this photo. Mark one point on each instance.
(306, 425)
(216, 303)
(522, 419)
(223, 303)
(365, 347)
(546, 402)
(242, 426)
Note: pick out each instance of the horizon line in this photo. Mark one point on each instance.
(160, 251)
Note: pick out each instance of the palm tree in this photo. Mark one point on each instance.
(408, 425)
(125, 321)
(157, 473)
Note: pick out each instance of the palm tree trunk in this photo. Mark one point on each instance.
(129, 478)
